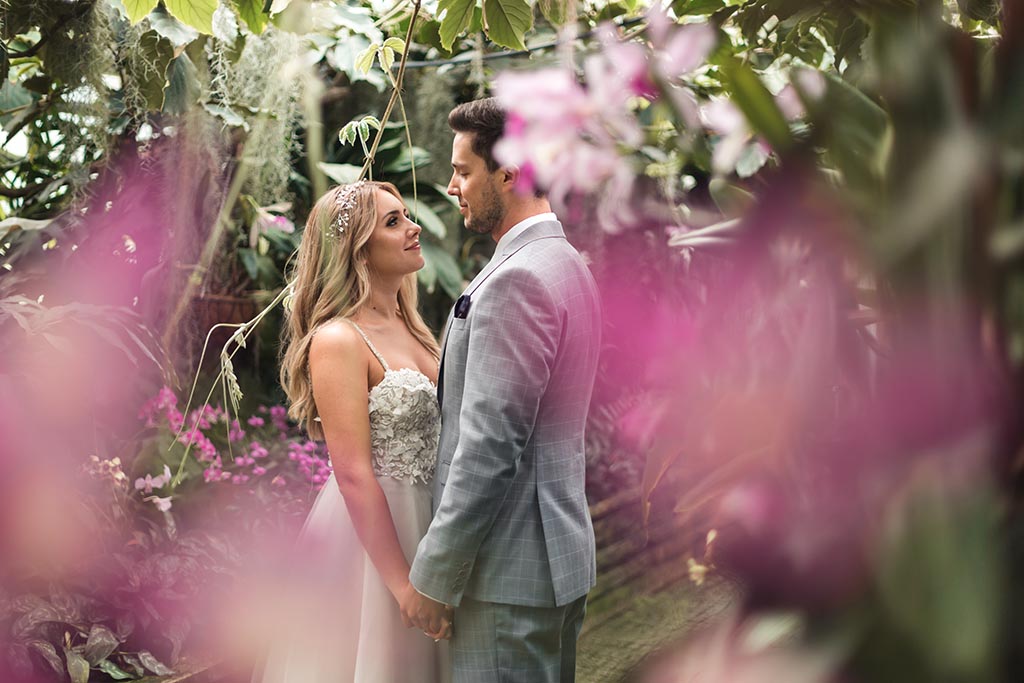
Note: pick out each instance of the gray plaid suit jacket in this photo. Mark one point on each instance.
(511, 523)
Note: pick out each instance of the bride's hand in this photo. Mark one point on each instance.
(445, 632)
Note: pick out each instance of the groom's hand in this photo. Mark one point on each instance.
(424, 613)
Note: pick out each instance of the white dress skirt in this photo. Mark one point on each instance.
(340, 624)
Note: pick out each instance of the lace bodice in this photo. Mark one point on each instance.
(405, 422)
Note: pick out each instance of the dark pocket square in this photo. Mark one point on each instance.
(462, 306)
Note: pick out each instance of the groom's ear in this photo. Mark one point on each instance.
(509, 176)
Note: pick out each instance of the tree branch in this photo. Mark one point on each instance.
(67, 19)
(20, 192)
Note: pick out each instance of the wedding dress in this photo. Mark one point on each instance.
(347, 627)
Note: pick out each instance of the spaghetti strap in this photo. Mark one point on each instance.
(370, 344)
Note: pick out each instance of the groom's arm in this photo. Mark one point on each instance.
(514, 332)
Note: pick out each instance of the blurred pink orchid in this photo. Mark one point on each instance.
(267, 218)
(726, 120)
(149, 482)
(162, 504)
(788, 101)
(685, 50)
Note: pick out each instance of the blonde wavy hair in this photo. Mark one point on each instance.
(331, 279)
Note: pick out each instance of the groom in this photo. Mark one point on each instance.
(511, 545)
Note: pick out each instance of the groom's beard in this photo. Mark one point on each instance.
(489, 215)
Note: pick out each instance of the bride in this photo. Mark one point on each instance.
(360, 370)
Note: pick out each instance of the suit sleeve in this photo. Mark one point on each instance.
(514, 333)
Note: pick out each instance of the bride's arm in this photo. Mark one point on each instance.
(338, 364)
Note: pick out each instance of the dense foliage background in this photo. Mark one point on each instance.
(807, 220)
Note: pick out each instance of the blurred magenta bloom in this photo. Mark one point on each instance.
(566, 138)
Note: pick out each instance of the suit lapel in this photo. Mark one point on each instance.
(545, 230)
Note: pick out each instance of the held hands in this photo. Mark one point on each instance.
(432, 617)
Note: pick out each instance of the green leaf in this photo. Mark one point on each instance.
(730, 199)
(457, 14)
(942, 579)
(751, 160)
(405, 159)
(508, 21)
(196, 13)
(476, 22)
(154, 664)
(100, 644)
(555, 11)
(429, 33)
(364, 62)
(757, 104)
(138, 9)
(387, 58)
(442, 191)
(444, 265)
(364, 131)
(170, 28)
(48, 652)
(396, 44)
(13, 96)
(427, 218)
(159, 52)
(252, 14)
(427, 275)
(114, 671)
(857, 132)
(685, 7)
(341, 173)
(227, 115)
(183, 88)
(78, 668)
(250, 259)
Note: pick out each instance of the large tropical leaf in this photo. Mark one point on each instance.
(427, 218)
(858, 134)
(508, 21)
(196, 13)
(757, 104)
(341, 173)
(159, 52)
(443, 269)
(555, 11)
(183, 89)
(138, 9)
(170, 28)
(456, 19)
(252, 14)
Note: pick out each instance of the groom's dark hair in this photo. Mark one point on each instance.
(485, 119)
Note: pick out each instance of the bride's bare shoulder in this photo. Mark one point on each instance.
(334, 338)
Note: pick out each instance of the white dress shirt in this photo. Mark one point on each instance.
(521, 227)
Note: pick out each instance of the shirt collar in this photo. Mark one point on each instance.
(521, 227)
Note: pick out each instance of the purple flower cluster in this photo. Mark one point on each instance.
(310, 457)
(270, 446)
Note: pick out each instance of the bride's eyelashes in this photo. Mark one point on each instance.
(393, 220)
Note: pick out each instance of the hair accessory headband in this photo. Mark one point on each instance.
(346, 202)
